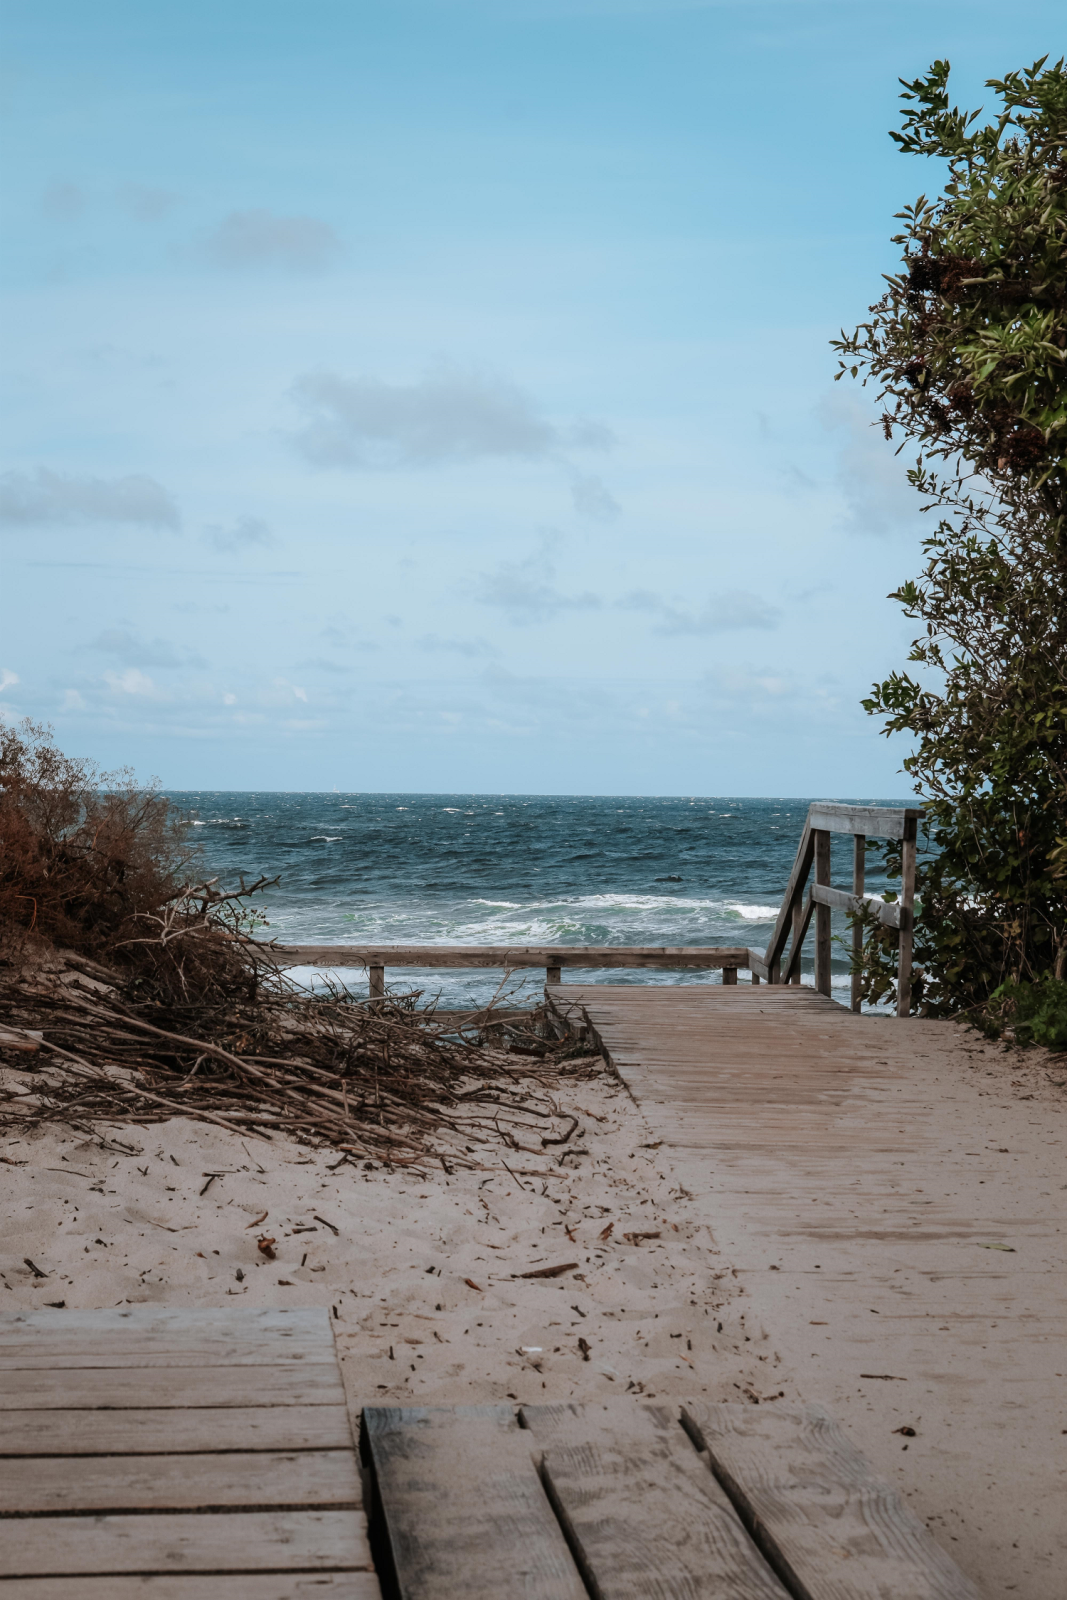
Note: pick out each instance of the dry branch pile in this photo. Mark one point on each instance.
(380, 1080)
(131, 992)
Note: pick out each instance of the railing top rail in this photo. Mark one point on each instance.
(878, 822)
(546, 955)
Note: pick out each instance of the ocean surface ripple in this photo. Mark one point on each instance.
(512, 869)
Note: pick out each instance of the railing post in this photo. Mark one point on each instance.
(859, 869)
(755, 977)
(377, 982)
(822, 913)
(907, 916)
(553, 975)
(729, 974)
(798, 923)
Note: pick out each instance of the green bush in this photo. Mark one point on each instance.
(1036, 1013)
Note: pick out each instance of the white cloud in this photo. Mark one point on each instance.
(131, 682)
(144, 203)
(244, 533)
(261, 239)
(720, 613)
(449, 415)
(471, 648)
(870, 475)
(62, 201)
(131, 651)
(36, 499)
(8, 679)
(594, 500)
(526, 590)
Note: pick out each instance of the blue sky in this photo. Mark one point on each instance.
(437, 396)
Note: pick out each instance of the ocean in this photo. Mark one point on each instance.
(513, 869)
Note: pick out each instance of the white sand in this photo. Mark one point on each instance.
(662, 1316)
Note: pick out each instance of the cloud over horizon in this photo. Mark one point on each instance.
(44, 497)
(451, 414)
(259, 238)
(526, 590)
(721, 613)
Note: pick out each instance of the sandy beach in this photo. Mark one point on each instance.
(592, 1273)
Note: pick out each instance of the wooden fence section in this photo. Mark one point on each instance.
(177, 1455)
(621, 1500)
(775, 965)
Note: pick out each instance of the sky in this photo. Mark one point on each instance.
(437, 395)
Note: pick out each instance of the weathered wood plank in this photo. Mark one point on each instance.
(880, 822)
(463, 1507)
(473, 956)
(87, 1388)
(642, 1512)
(48, 1352)
(823, 929)
(793, 890)
(828, 1526)
(57, 1484)
(155, 1431)
(233, 1586)
(240, 1541)
(888, 913)
(242, 1323)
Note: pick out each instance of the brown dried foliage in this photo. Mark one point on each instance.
(131, 992)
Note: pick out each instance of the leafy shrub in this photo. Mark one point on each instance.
(1036, 1013)
(94, 863)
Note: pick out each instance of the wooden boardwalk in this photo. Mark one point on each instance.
(896, 1254)
(177, 1455)
(620, 1501)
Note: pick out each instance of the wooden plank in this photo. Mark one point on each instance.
(826, 1524)
(156, 1431)
(87, 1388)
(823, 929)
(463, 1507)
(155, 1336)
(841, 900)
(668, 957)
(642, 1513)
(51, 1354)
(757, 965)
(242, 1323)
(188, 1482)
(907, 921)
(223, 1541)
(859, 872)
(234, 1586)
(791, 972)
(794, 889)
(879, 822)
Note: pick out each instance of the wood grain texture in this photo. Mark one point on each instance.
(218, 1542)
(233, 1586)
(189, 1482)
(643, 1514)
(463, 1507)
(156, 1431)
(299, 1384)
(828, 1526)
(149, 1336)
(218, 1323)
(474, 956)
(880, 822)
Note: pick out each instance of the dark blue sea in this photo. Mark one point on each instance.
(513, 869)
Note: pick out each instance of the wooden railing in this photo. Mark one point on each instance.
(775, 965)
(862, 822)
(553, 957)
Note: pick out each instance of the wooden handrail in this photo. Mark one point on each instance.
(826, 817)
